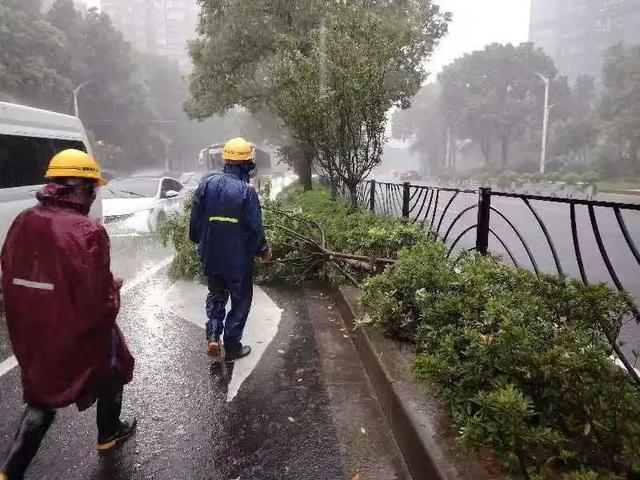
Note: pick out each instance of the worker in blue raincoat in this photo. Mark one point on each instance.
(226, 224)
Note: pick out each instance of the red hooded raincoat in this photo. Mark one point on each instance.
(62, 301)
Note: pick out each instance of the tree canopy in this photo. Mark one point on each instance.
(490, 95)
(620, 108)
(31, 54)
(489, 103)
(327, 70)
(131, 103)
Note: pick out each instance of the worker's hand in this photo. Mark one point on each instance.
(267, 255)
(119, 281)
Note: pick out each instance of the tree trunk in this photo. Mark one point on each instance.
(485, 147)
(504, 150)
(353, 195)
(334, 189)
(305, 171)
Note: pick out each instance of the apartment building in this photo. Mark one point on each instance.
(578, 33)
(161, 27)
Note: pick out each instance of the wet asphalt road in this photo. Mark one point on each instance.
(305, 412)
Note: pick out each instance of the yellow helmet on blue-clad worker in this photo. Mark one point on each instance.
(73, 163)
(238, 150)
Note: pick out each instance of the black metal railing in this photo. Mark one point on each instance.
(449, 214)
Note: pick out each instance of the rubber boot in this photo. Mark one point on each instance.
(124, 431)
(33, 427)
(112, 431)
(236, 353)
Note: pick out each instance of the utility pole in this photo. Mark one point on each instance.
(545, 121)
(75, 97)
(447, 160)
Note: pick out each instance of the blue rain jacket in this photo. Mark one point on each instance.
(226, 222)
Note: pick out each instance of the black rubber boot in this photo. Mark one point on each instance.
(236, 353)
(33, 427)
(125, 430)
(111, 431)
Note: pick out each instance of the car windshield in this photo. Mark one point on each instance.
(190, 179)
(131, 188)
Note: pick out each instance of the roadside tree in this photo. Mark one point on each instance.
(360, 64)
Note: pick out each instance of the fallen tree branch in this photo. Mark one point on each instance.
(305, 249)
(292, 216)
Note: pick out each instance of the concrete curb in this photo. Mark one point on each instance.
(419, 425)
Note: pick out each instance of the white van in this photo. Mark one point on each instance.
(28, 139)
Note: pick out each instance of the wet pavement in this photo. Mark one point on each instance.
(302, 408)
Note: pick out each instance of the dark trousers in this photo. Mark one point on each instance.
(36, 422)
(221, 287)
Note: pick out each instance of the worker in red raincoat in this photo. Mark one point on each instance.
(61, 304)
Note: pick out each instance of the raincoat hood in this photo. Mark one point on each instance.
(64, 196)
(240, 170)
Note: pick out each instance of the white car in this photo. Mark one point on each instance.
(141, 204)
(191, 180)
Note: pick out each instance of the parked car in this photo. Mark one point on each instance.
(29, 138)
(141, 203)
(410, 176)
(191, 180)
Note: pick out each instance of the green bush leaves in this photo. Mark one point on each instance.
(521, 362)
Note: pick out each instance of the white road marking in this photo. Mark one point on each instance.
(10, 363)
(186, 299)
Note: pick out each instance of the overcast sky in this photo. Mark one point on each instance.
(475, 23)
(479, 22)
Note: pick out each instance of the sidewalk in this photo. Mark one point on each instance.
(299, 408)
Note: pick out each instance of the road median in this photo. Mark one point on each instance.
(418, 422)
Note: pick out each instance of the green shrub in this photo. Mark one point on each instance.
(391, 299)
(505, 179)
(526, 177)
(553, 177)
(521, 362)
(571, 178)
(591, 177)
(175, 231)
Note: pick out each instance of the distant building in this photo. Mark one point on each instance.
(160, 27)
(577, 33)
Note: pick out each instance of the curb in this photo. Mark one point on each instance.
(416, 424)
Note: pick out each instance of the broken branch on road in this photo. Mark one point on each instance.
(301, 245)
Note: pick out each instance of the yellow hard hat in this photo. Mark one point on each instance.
(237, 150)
(74, 164)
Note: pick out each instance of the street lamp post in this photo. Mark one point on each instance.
(545, 121)
(75, 96)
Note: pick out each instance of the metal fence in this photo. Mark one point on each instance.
(512, 224)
